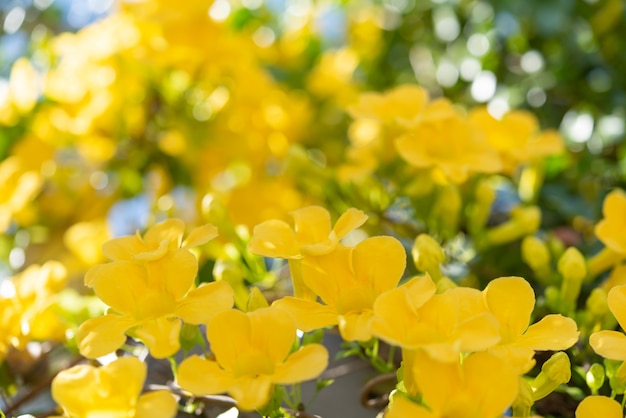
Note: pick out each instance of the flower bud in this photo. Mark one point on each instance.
(428, 255)
(554, 372)
(595, 377)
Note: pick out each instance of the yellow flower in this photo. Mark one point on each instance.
(516, 136)
(610, 229)
(483, 386)
(404, 102)
(18, 187)
(311, 235)
(444, 140)
(252, 354)
(444, 325)
(612, 344)
(164, 237)
(150, 289)
(599, 406)
(511, 300)
(112, 391)
(348, 281)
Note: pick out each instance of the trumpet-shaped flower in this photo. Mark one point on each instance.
(348, 281)
(444, 325)
(311, 235)
(252, 354)
(150, 289)
(612, 344)
(610, 229)
(599, 406)
(112, 391)
(511, 300)
(444, 140)
(157, 241)
(483, 386)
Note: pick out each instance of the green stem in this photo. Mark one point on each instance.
(173, 365)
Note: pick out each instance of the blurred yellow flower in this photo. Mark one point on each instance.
(511, 300)
(610, 230)
(111, 391)
(483, 386)
(150, 289)
(516, 136)
(252, 354)
(405, 102)
(348, 281)
(599, 406)
(444, 140)
(18, 188)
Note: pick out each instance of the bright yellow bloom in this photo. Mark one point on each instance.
(252, 354)
(516, 136)
(348, 281)
(511, 300)
(599, 406)
(311, 235)
(150, 289)
(610, 230)
(444, 140)
(483, 386)
(612, 344)
(164, 238)
(444, 325)
(111, 391)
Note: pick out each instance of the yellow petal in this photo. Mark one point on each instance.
(252, 393)
(478, 333)
(599, 406)
(311, 224)
(69, 389)
(395, 311)
(490, 382)
(379, 262)
(520, 359)
(511, 300)
(175, 272)
(349, 221)
(200, 236)
(438, 382)
(272, 332)
(327, 274)
(171, 230)
(355, 326)
(160, 336)
(201, 304)
(614, 205)
(203, 377)
(308, 315)
(123, 248)
(409, 148)
(553, 332)
(274, 239)
(305, 364)
(609, 344)
(102, 335)
(129, 370)
(157, 404)
(401, 407)
(119, 284)
(617, 304)
(229, 334)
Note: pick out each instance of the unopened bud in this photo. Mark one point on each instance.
(428, 255)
